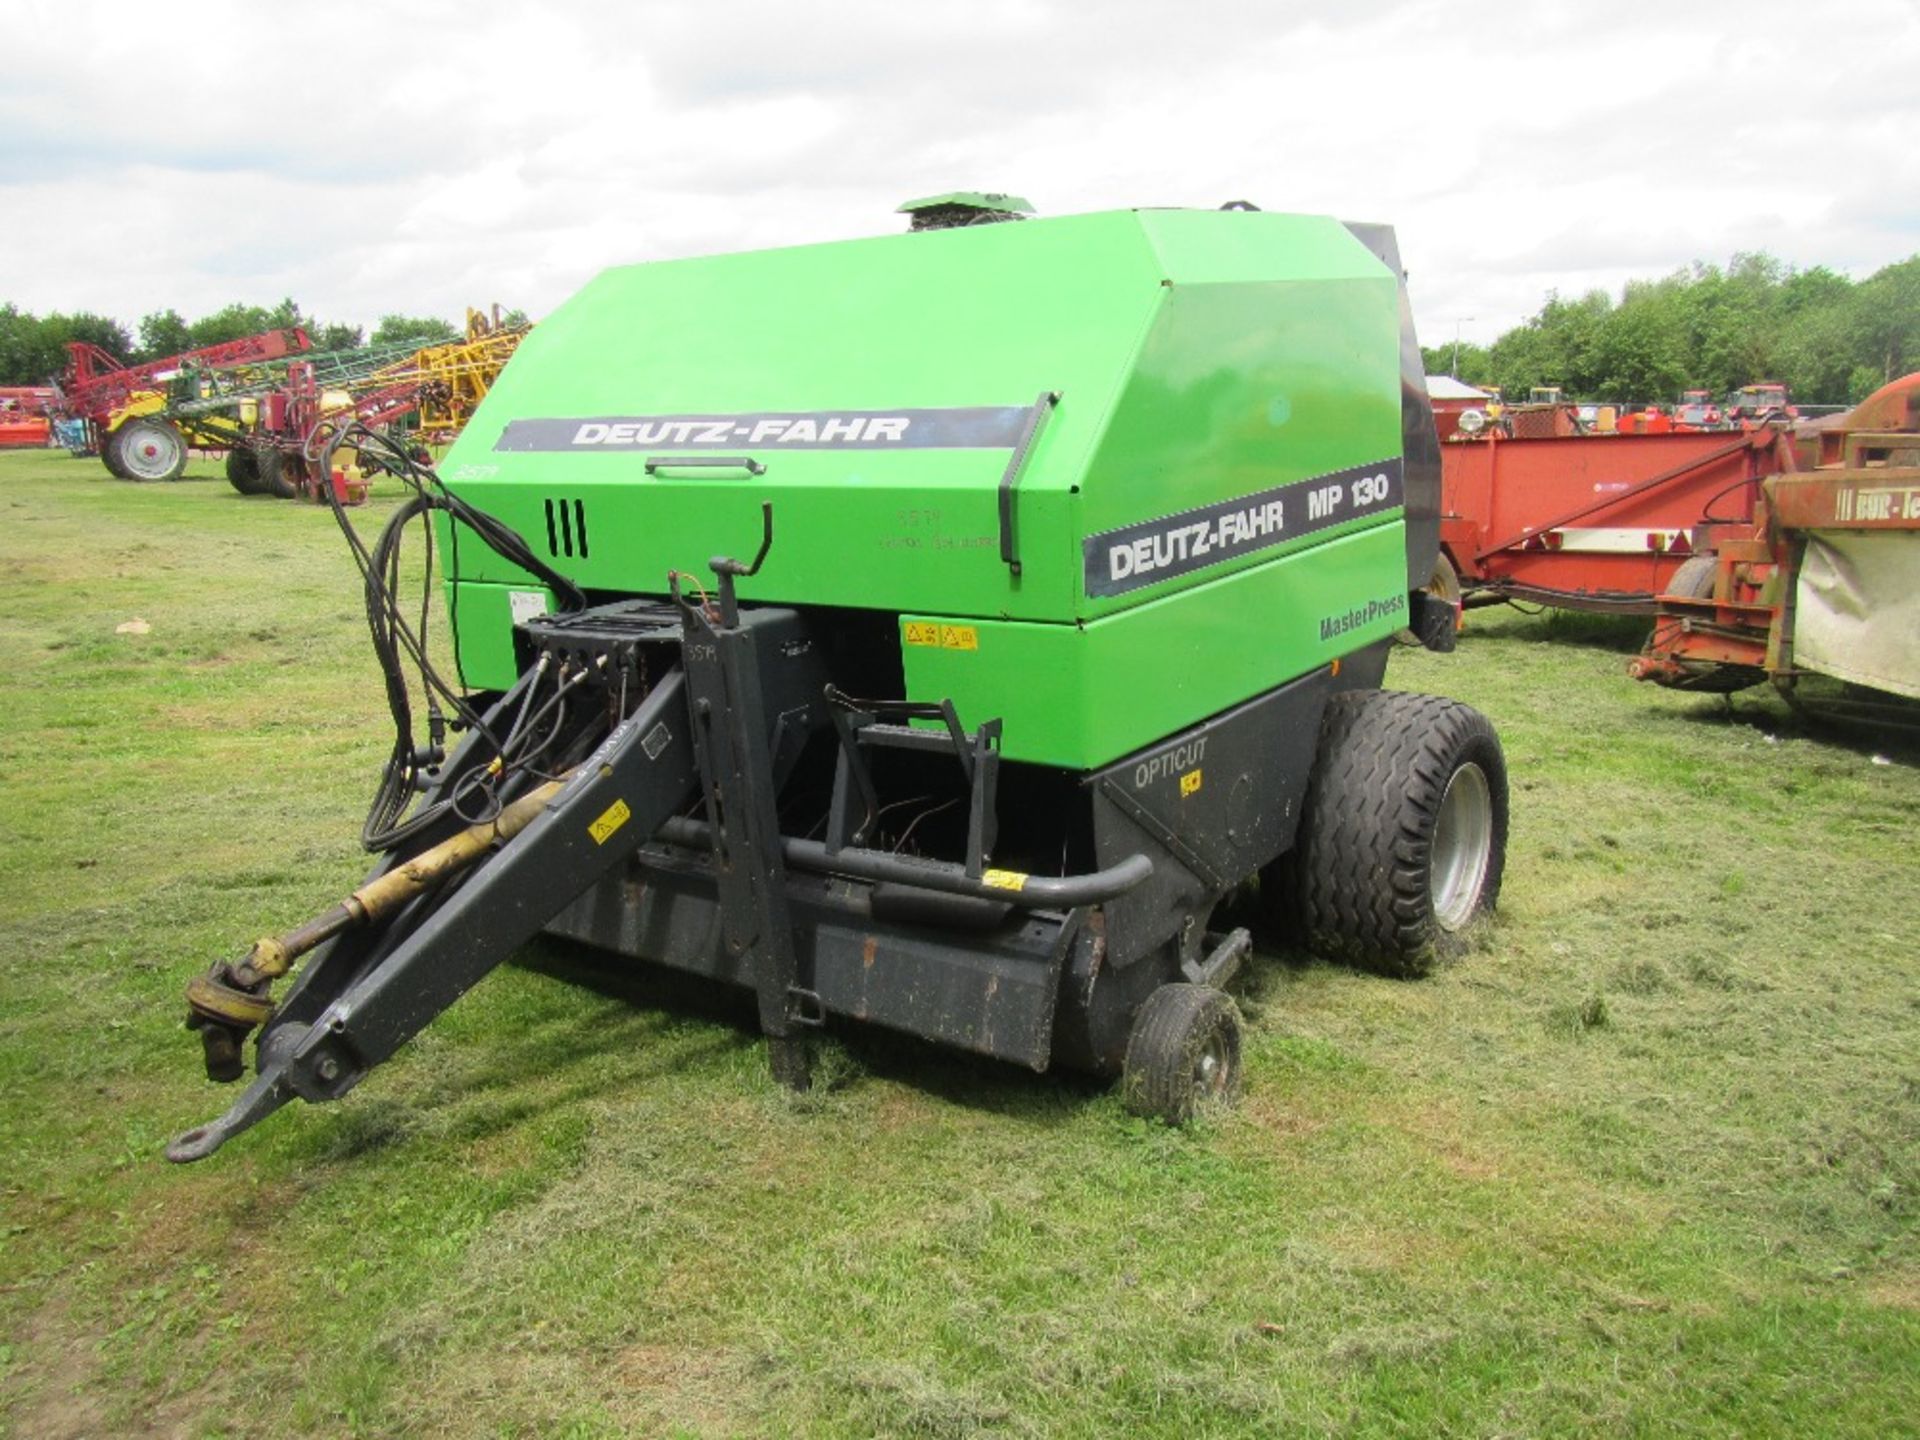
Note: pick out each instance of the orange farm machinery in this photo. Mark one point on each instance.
(1823, 578)
(23, 417)
(1595, 521)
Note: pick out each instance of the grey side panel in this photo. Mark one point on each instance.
(1419, 438)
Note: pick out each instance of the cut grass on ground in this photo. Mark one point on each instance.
(1644, 1163)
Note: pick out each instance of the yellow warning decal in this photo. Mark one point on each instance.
(1190, 782)
(611, 819)
(1005, 879)
(941, 637)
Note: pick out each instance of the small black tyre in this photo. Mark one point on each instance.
(243, 471)
(1403, 834)
(277, 472)
(1183, 1054)
(148, 449)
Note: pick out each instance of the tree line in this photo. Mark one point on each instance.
(33, 348)
(1829, 339)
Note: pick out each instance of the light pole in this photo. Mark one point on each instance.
(1459, 320)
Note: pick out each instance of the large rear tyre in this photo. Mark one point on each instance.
(149, 449)
(1403, 834)
(278, 475)
(243, 470)
(1183, 1055)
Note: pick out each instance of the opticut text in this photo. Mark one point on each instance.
(1177, 546)
(851, 429)
(1169, 762)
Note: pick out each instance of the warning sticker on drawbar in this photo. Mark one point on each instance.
(1154, 550)
(965, 427)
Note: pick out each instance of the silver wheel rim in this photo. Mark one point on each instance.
(1462, 847)
(1212, 1070)
(150, 453)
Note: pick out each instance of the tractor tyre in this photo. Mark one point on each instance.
(1694, 581)
(277, 472)
(1183, 1054)
(243, 470)
(110, 455)
(1403, 833)
(149, 449)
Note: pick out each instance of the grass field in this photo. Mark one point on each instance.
(1644, 1163)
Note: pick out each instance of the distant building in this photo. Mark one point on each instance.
(1450, 398)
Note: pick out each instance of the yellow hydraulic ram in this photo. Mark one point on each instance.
(231, 1000)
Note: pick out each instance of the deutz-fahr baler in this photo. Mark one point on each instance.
(930, 630)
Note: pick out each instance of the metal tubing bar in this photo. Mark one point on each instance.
(1032, 892)
(656, 463)
(1010, 477)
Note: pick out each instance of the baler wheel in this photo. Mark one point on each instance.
(1183, 1055)
(277, 474)
(1403, 833)
(149, 449)
(243, 471)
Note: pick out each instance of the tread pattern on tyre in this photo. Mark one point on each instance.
(243, 471)
(1357, 880)
(1172, 1027)
(274, 477)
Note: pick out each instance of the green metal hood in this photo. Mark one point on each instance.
(1198, 356)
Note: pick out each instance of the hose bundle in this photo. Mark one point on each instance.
(400, 644)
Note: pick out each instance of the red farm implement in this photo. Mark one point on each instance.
(23, 416)
(1822, 579)
(430, 393)
(121, 406)
(1588, 521)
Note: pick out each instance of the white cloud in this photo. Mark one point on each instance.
(368, 158)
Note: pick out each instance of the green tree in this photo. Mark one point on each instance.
(1886, 323)
(231, 322)
(163, 333)
(57, 331)
(422, 330)
(19, 347)
(334, 337)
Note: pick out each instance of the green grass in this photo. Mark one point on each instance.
(1645, 1163)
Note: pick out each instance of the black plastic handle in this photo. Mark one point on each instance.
(656, 463)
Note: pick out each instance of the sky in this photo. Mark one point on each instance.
(369, 158)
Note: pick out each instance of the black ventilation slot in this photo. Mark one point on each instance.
(567, 528)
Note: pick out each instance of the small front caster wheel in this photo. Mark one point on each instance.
(1183, 1055)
